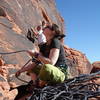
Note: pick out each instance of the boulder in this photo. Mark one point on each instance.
(96, 68)
(77, 62)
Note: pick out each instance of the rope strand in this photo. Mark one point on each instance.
(7, 53)
(23, 67)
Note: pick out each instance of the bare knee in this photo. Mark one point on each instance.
(33, 76)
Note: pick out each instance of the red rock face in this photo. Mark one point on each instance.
(1, 62)
(77, 62)
(8, 80)
(4, 82)
(96, 68)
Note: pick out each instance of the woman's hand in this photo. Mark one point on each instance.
(18, 73)
(31, 52)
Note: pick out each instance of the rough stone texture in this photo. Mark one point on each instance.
(77, 62)
(96, 67)
(2, 62)
(5, 93)
(16, 17)
(8, 79)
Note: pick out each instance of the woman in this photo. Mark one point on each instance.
(51, 52)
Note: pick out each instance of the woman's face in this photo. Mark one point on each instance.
(48, 33)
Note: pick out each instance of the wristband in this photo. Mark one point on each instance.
(36, 55)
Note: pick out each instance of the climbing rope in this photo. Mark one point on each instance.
(7, 53)
(23, 67)
(33, 59)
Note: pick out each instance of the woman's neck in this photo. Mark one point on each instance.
(49, 41)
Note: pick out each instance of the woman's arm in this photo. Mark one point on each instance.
(54, 54)
(53, 57)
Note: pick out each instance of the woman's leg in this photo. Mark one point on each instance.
(33, 73)
(28, 67)
(33, 76)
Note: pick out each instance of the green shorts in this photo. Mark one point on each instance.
(48, 73)
(51, 74)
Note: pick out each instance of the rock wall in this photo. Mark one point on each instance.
(16, 17)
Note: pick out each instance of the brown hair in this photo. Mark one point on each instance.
(55, 28)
